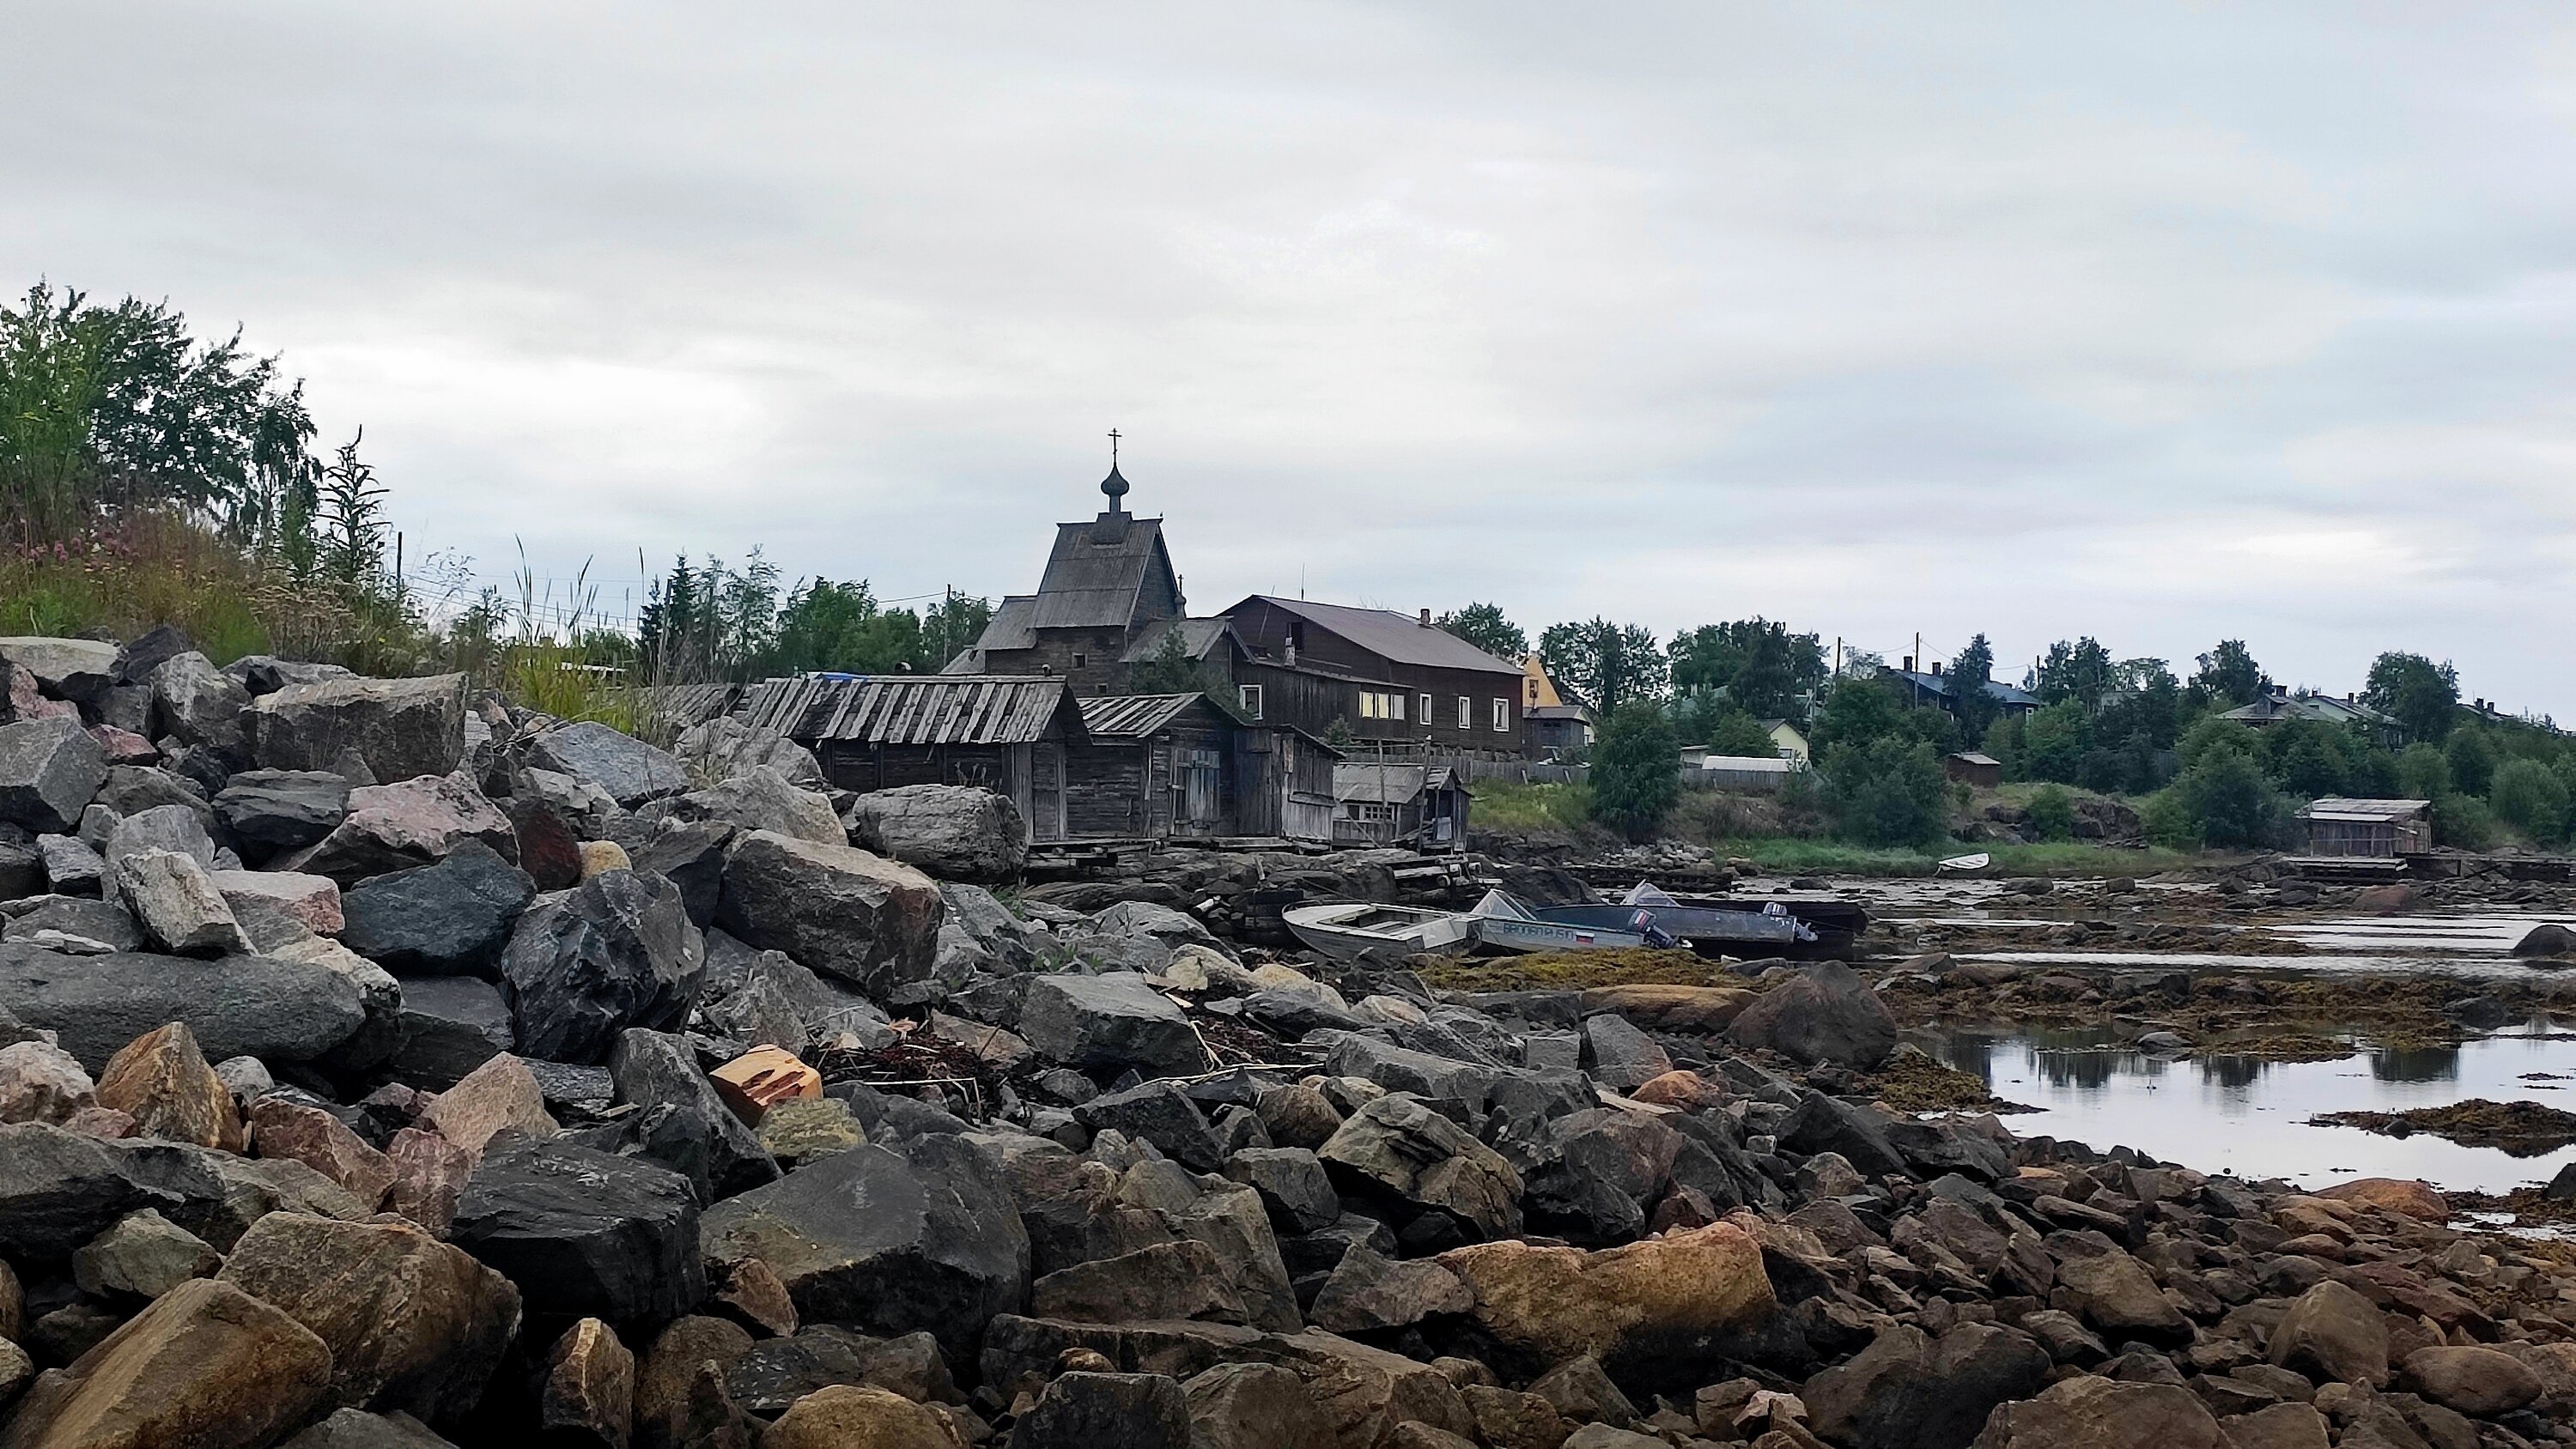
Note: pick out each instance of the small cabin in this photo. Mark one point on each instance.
(1974, 770)
(1420, 805)
(2383, 829)
(1008, 734)
(1176, 766)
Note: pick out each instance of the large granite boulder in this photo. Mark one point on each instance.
(270, 811)
(955, 832)
(278, 1010)
(762, 799)
(448, 919)
(1644, 1309)
(79, 670)
(1908, 1389)
(395, 827)
(584, 1233)
(1825, 1013)
(631, 771)
(693, 1132)
(49, 771)
(1399, 1151)
(177, 904)
(207, 1366)
(585, 964)
(400, 728)
(724, 747)
(841, 911)
(1108, 1023)
(195, 704)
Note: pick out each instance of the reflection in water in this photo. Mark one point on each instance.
(2232, 1072)
(2415, 1064)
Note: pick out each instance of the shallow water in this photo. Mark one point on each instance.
(2232, 1114)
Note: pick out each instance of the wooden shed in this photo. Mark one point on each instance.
(1005, 733)
(1421, 805)
(1167, 766)
(2381, 828)
(1978, 771)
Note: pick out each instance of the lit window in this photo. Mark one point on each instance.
(1503, 715)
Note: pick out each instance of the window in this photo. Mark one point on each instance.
(1395, 708)
(1424, 704)
(1079, 660)
(1502, 716)
(1466, 713)
(1252, 701)
(1360, 810)
(1381, 704)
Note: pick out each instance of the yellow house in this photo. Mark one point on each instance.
(1555, 725)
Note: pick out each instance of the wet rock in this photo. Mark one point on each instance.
(194, 703)
(176, 903)
(1634, 1307)
(287, 1129)
(500, 1095)
(856, 1414)
(1397, 1148)
(840, 911)
(448, 919)
(700, 1137)
(588, 1395)
(1108, 1023)
(279, 1011)
(400, 728)
(413, 1324)
(144, 1256)
(206, 1366)
(1179, 1280)
(1907, 1389)
(40, 1082)
(450, 1026)
(49, 770)
(1256, 1406)
(399, 826)
(162, 1080)
(1825, 1013)
(2332, 1334)
(2474, 1380)
(1135, 1411)
(954, 832)
(887, 1239)
(583, 1232)
(2086, 1412)
(311, 901)
(614, 952)
(1368, 1293)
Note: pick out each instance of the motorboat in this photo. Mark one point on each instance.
(1655, 918)
(1505, 924)
(1347, 930)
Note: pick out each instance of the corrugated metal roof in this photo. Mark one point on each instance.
(1376, 784)
(2340, 808)
(1400, 638)
(910, 709)
(1133, 716)
(1096, 571)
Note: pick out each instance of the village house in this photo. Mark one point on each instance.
(1382, 803)
(1557, 726)
(1931, 689)
(2382, 829)
(2278, 704)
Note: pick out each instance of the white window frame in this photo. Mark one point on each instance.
(1423, 703)
(1502, 716)
(1249, 696)
(1395, 705)
(1368, 704)
(1466, 712)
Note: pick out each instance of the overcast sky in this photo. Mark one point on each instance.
(2158, 323)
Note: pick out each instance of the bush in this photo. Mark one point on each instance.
(2463, 821)
(2472, 761)
(2423, 773)
(2055, 740)
(1636, 770)
(2168, 821)
(2530, 797)
(2052, 813)
(1888, 793)
(2228, 802)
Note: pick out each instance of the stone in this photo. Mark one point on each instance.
(801, 1129)
(283, 1128)
(692, 857)
(2332, 1333)
(955, 832)
(1108, 1023)
(598, 857)
(1295, 1189)
(1634, 1307)
(631, 771)
(149, 651)
(1368, 1293)
(161, 1080)
(1296, 1115)
(311, 901)
(762, 1078)
(1175, 1281)
(1620, 1056)
(1824, 1013)
(357, 1429)
(2413, 1199)
(2548, 939)
(274, 811)
(762, 799)
(701, 1136)
(206, 1366)
(2086, 1412)
(413, 1324)
(1256, 1406)
(280, 1011)
(1133, 1411)
(588, 1393)
(448, 919)
(583, 1232)
(886, 1239)
(430, 1174)
(500, 1095)
(123, 746)
(450, 1026)
(144, 1256)
(2278, 1426)
(195, 704)
(40, 1082)
(60, 1189)
(70, 867)
(614, 952)
(173, 827)
(1588, 1176)
(1160, 1113)
(175, 902)
(1908, 1389)
(400, 728)
(841, 911)
(2387, 900)
(265, 674)
(2117, 1295)
(1396, 1148)
(75, 669)
(49, 771)
(2474, 1380)
(723, 747)
(1509, 1420)
(395, 827)
(667, 1394)
(845, 1416)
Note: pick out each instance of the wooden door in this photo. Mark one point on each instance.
(1046, 791)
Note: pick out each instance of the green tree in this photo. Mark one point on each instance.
(2228, 801)
(2423, 773)
(1485, 626)
(1604, 664)
(2530, 797)
(1756, 662)
(2081, 671)
(2145, 698)
(1733, 732)
(2228, 677)
(1969, 701)
(2472, 761)
(2420, 695)
(1858, 711)
(1888, 792)
(2213, 736)
(1636, 770)
(2052, 813)
(2055, 739)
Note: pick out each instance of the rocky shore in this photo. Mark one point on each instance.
(381, 1066)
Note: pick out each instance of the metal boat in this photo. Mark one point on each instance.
(1505, 924)
(1648, 913)
(1346, 930)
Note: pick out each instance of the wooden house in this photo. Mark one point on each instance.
(1554, 725)
(874, 732)
(1383, 803)
(2380, 828)
(1175, 766)
(1974, 769)
(1382, 676)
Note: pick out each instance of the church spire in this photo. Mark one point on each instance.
(1114, 485)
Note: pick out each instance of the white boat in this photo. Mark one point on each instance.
(1346, 930)
(1964, 863)
(1506, 924)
